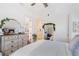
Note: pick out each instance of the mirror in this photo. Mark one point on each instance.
(12, 26)
(49, 29)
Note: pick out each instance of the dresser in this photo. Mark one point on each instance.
(11, 43)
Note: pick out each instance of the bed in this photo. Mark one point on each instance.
(44, 48)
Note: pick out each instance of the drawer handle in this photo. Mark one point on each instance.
(12, 46)
(12, 41)
(11, 50)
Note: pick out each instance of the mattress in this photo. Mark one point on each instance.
(44, 48)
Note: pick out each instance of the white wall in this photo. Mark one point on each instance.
(58, 15)
(73, 18)
(13, 11)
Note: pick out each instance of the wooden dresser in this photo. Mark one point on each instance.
(10, 43)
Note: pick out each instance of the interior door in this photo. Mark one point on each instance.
(38, 28)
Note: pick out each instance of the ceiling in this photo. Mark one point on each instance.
(53, 9)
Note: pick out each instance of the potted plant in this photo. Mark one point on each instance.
(3, 23)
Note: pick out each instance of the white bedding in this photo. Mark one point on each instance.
(44, 48)
(74, 46)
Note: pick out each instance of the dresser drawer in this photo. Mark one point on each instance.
(2, 43)
(9, 45)
(14, 45)
(7, 42)
(7, 38)
(6, 47)
(24, 41)
(7, 52)
(19, 44)
(14, 49)
(15, 37)
(24, 44)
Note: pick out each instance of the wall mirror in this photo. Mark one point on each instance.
(49, 29)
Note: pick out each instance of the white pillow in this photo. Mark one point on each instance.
(75, 51)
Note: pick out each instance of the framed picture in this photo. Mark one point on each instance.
(75, 26)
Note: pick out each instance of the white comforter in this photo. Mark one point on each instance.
(44, 48)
